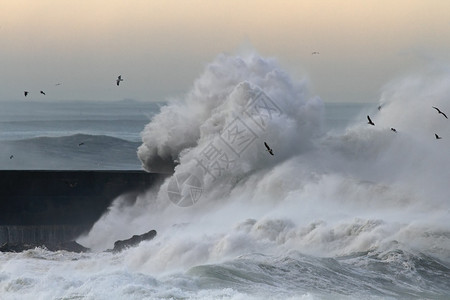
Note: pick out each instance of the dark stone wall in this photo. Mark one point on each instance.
(39, 234)
(61, 204)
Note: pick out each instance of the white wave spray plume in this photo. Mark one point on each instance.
(368, 189)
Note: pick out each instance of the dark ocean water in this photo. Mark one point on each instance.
(72, 135)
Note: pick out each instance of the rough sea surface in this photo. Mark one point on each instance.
(342, 210)
(75, 135)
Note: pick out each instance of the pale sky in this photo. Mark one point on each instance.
(161, 47)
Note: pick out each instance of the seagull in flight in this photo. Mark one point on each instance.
(42, 92)
(25, 93)
(119, 79)
(370, 121)
(437, 137)
(268, 148)
(394, 130)
(439, 111)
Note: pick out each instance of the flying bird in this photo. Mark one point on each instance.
(394, 130)
(315, 52)
(119, 79)
(11, 157)
(437, 137)
(25, 93)
(268, 148)
(81, 144)
(370, 121)
(439, 111)
(42, 92)
(58, 84)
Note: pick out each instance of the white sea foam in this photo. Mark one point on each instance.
(320, 194)
(319, 217)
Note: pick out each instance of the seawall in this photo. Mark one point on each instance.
(57, 206)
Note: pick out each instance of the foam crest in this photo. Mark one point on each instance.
(247, 91)
(331, 195)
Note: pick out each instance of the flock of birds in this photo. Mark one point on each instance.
(118, 80)
(26, 93)
(268, 149)
(370, 122)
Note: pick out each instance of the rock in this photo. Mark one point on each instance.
(133, 241)
(70, 246)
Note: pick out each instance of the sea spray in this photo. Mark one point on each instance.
(346, 203)
(250, 88)
(217, 132)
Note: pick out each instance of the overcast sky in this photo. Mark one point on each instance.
(161, 47)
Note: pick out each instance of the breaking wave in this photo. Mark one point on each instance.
(356, 201)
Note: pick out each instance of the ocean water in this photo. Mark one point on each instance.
(342, 210)
(47, 135)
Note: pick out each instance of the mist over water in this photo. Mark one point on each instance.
(362, 212)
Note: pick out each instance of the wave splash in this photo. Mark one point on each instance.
(368, 190)
(246, 98)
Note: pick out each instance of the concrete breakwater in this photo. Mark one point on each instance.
(36, 234)
(56, 206)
